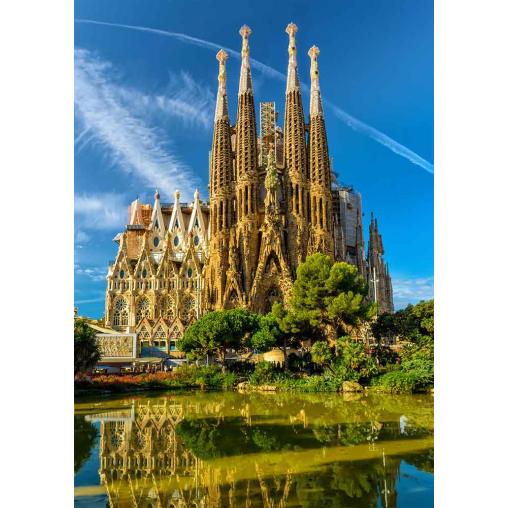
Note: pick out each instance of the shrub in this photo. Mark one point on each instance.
(264, 373)
(410, 378)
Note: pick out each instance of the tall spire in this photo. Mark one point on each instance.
(221, 108)
(221, 164)
(292, 80)
(246, 160)
(319, 164)
(221, 194)
(315, 95)
(246, 139)
(380, 283)
(245, 74)
(295, 158)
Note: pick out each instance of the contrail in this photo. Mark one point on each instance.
(349, 120)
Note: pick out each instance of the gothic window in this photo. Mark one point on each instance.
(160, 337)
(144, 334)
(168, 308)
(187, 308)
(142, 309)
(144, 273)
(174, 335)
(120, 313)
(122, 274)
(176, 241)
(196, 240)
(156, 241)
(189, 272)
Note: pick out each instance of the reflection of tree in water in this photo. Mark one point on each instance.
(85, 436)
(207, 451)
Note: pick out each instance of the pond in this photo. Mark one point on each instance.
(230, 449)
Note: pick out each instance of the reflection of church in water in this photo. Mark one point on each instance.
(144, 463)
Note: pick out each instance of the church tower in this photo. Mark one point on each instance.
(380, 283)
(246, 170)
(221, 193)
(319, 164)
(295, 160)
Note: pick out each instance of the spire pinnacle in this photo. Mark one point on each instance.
(292, 79)
(245, 75)
(221, 108)
(315, 95)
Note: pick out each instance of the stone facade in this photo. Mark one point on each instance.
(155, 284)
(273, 200)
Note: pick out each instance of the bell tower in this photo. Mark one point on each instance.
(295, 160)
(319, 164)
(221, 193)
(246, 169)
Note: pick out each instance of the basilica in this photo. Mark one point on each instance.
(273, 200)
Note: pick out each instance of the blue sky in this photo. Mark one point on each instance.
(144, 102)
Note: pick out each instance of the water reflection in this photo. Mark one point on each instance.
(269, 450)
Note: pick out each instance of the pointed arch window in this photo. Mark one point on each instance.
(174, 335)
(187, 308)
(120, 313)
(142, 309)
(160, 338)
(168, 308)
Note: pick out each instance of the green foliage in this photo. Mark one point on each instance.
(328, 293)
(264, 373)
(281, 329)
(316, 383)
(414, 323)
(414, 326)
(353, 363)
(212, 377)
(321, 353)
(185, 377)
(218, 331)
(86, 350)
(405, 381)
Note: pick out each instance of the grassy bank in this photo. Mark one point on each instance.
(264, 377)
(186, 377)
(416, 378)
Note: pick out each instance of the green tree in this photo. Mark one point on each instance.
(353, 362)
(414, 328)
(216, 332)
(330, 296)
(86, 350)
(322, 355)
(280, 329)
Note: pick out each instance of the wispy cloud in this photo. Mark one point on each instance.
(407, 290)
(94, 273)
(81, 237)
(102, 107)
(102, 211)
(338, 112)
(187, 100)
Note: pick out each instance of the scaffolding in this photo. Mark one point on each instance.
(267, 128)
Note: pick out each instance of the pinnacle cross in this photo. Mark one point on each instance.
(245, 76)
(315, 97)
(314, 73)
(221, 108)
(245, 31)
(222, 56)
(292, 79)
